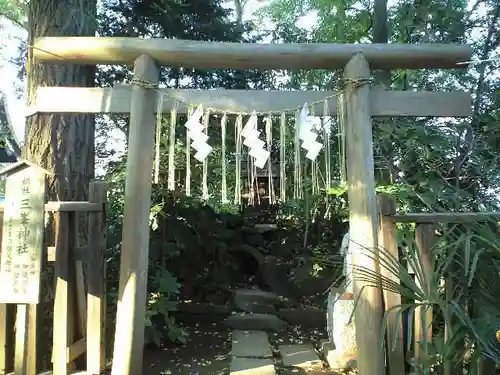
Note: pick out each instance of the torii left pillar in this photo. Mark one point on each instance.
(129, 335)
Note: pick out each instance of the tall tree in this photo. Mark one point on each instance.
(63, 144)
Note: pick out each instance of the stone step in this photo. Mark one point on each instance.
(301, 356)
(242, 297)
(250, 344)
(255, 307)
(252, 366)
(255, 301)
(255, 322)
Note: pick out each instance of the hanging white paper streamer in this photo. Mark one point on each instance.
(252, 136)
(195, 132)
(197, 137)
(314, 150)
(223, 125)
(261, 159)
(250, 127)
(307, 135)
(254, 143)
(202, 150)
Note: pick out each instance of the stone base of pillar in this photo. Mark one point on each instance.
(341, 354)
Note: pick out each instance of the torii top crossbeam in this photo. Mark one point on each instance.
(222, 55)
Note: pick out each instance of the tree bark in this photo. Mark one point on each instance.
(383, 77)
(63, 144)
(381, 35)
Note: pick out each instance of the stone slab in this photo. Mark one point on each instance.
(254, 307)
(255, 322)
(252, 366)
(256, 295)
(300, 355)
(250, 344)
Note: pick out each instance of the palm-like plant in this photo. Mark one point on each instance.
(462, 291)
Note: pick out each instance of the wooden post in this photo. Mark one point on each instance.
(96, 274)
(4, 328)
(425, 240)
(129, 338)
(363, 214)
(20, 360)
(34, 330)
(387, 242)
(73, 318)
(61, 312)
(3, 339)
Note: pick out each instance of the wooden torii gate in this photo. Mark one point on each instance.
(140, 100)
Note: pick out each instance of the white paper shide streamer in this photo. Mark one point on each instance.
(307, 135)
(195, 133)
(251, 139)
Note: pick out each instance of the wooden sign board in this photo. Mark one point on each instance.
(22, 241)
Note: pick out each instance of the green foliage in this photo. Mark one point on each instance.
(160, 305)
(15, 11)
(461, 291)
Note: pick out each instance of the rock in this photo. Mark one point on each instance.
(276, 278)
(231, 220)
(255, 322)
(310, 286)
(340, 327)
(300, 355)
(261, 228)
(307, 318)
(249, 259)
(325, 346)
(253, 344)
(252, 366)
(255, 307)
(255, 240)
(344, 356)
(336, 361)
(245, 298)
(281, 250)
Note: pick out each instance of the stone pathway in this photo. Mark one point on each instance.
(251, 352)
(300, 356)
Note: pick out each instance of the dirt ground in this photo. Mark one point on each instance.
(206, 353)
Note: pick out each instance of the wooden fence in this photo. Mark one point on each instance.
(79, 315)
(425, 239)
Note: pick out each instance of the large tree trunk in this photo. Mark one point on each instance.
(63, 144)
(383, 77)
(381, 35)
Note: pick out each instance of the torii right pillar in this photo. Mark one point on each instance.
(363, 222)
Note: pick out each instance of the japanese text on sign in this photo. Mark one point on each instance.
(22, 237)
